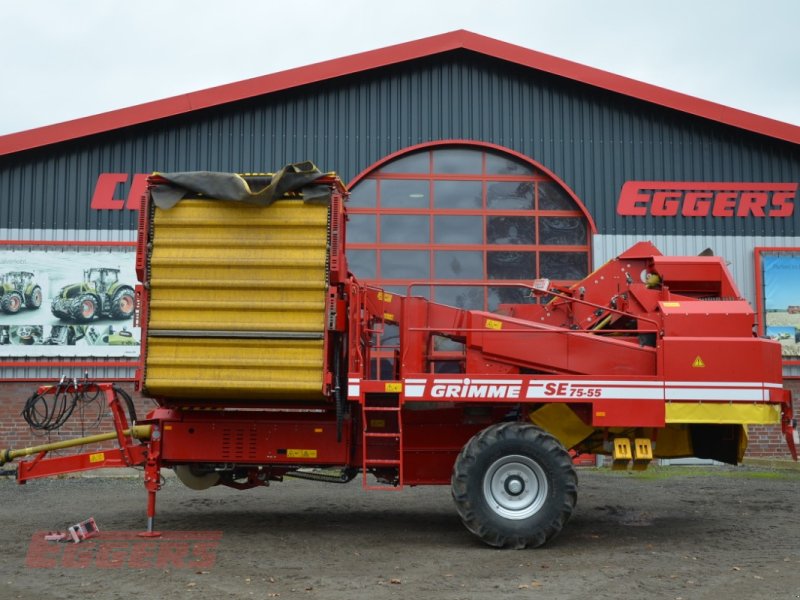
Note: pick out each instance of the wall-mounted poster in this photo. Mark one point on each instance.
(72, 301)
(779, 297)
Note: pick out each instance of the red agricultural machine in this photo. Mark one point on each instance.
(258, 345)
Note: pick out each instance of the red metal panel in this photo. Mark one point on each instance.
(628, 413)
(714, 319)
(533, 345)
(722, 359)
(255, 438)
(61, 465)
(704, 275)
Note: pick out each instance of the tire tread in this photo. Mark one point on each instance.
(563, 474)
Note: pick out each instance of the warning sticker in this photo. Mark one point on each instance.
(698, 362)
(98, 457)
(301, 453)
(492, 324)
(393, 387)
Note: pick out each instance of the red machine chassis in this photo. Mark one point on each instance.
(643, 334)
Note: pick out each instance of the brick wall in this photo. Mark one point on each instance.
(14, 432)
(769, 441)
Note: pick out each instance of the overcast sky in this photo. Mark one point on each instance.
(64, 59)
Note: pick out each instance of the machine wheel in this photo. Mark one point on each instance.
(514, 485)
(84, 308)
(34, 299)
(122, 304)
(194, 478)
(11, 303)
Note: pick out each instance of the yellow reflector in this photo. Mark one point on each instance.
(722, 413)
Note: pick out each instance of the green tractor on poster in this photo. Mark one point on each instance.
(100, 294)
(18, 290)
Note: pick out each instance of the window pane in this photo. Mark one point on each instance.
(564, 265)
(510, 230)
(386, 366)
(511, 265)
(457, 194)
(461, 296)
(453, 229)
(361, 229)
(553, 197)
(457, 161)
(563, 232)
(459, 265)
(390, 335)
(419, 162)
(364, 194)
(509, 295)
(404, 193)
(405, 229)
(362, 263)
(509, 195)
(405, 264)
(507, 165)
(443, 344)
(423, 291)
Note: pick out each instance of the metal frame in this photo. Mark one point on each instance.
(541, 174)
(758, 251)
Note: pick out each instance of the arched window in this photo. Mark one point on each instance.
(460, 217)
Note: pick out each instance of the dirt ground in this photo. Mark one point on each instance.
(675, 532)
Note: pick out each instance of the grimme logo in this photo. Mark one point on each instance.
(126, 550)
(701, 199)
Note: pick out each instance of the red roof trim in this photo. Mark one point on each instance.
(390, 55)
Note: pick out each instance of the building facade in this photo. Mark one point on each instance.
(470, 161)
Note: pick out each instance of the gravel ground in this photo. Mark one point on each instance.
(674, 532)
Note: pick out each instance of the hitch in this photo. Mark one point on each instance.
(126, 454)
(137, 432)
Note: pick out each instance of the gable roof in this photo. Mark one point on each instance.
(373, 59)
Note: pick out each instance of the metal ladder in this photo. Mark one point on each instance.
(382, 438)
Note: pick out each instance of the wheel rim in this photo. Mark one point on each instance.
(37, 298)
(515, 487)
(87, 308)
(126, 304)
(14, 303)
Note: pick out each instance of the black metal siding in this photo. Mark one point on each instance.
(592, 139)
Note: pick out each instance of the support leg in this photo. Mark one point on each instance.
(151, 516)
(152, 482)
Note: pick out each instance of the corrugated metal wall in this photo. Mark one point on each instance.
(592, 139)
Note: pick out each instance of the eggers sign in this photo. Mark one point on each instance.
(702, 199)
